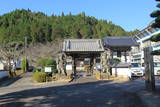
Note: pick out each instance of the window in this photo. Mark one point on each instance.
(119, 54)
(156, 64)
(98, 60)
(136, 64)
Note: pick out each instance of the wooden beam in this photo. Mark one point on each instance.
(125, 55)
(74, 65)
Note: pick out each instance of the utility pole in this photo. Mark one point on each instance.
(149, 69)
(25, 47)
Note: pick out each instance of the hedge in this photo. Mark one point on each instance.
(39, 76)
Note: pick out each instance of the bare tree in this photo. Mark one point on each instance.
(10, 52)
(37, 51)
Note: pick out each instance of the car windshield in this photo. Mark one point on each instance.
(156, 64)
(136, 64)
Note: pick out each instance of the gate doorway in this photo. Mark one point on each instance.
(80, 56)
(83, 66)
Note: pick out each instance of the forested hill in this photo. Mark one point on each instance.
(39, 27)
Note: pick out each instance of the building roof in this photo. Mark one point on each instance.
(121, 65)
(83, 45)
(119, 41)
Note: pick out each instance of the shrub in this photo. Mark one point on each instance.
(55, 71)
(116, 60)
(40, 76)
(156, 52)
(34, 70)
(24, 65)
(47, 62)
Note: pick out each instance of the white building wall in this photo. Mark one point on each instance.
(125, 72)
(1, 66)
(123, 58)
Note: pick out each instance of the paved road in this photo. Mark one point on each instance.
(82, 93)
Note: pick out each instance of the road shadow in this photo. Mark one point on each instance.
(8, 81)
(90, 94)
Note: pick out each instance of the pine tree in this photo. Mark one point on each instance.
(156, 24)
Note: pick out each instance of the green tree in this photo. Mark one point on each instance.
(156, 24)
(40, 28)
(24, 65)
(47, 62)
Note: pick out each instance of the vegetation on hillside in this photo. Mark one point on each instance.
(40, 28)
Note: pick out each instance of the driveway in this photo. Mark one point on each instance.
(85, 92)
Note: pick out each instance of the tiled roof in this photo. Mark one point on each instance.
(82, 45)
(119, 41)
(121, 65)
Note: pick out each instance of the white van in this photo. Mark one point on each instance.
(137, 69)
(156, 68)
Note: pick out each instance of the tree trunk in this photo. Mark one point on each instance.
(9, 67)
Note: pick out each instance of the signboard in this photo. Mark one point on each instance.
(48, 69)
(69, 67)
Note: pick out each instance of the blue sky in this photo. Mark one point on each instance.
(130, 14)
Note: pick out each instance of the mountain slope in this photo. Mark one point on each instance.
(40, 28)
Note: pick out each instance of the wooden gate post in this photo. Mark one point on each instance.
(74, 66)
(149, 69)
